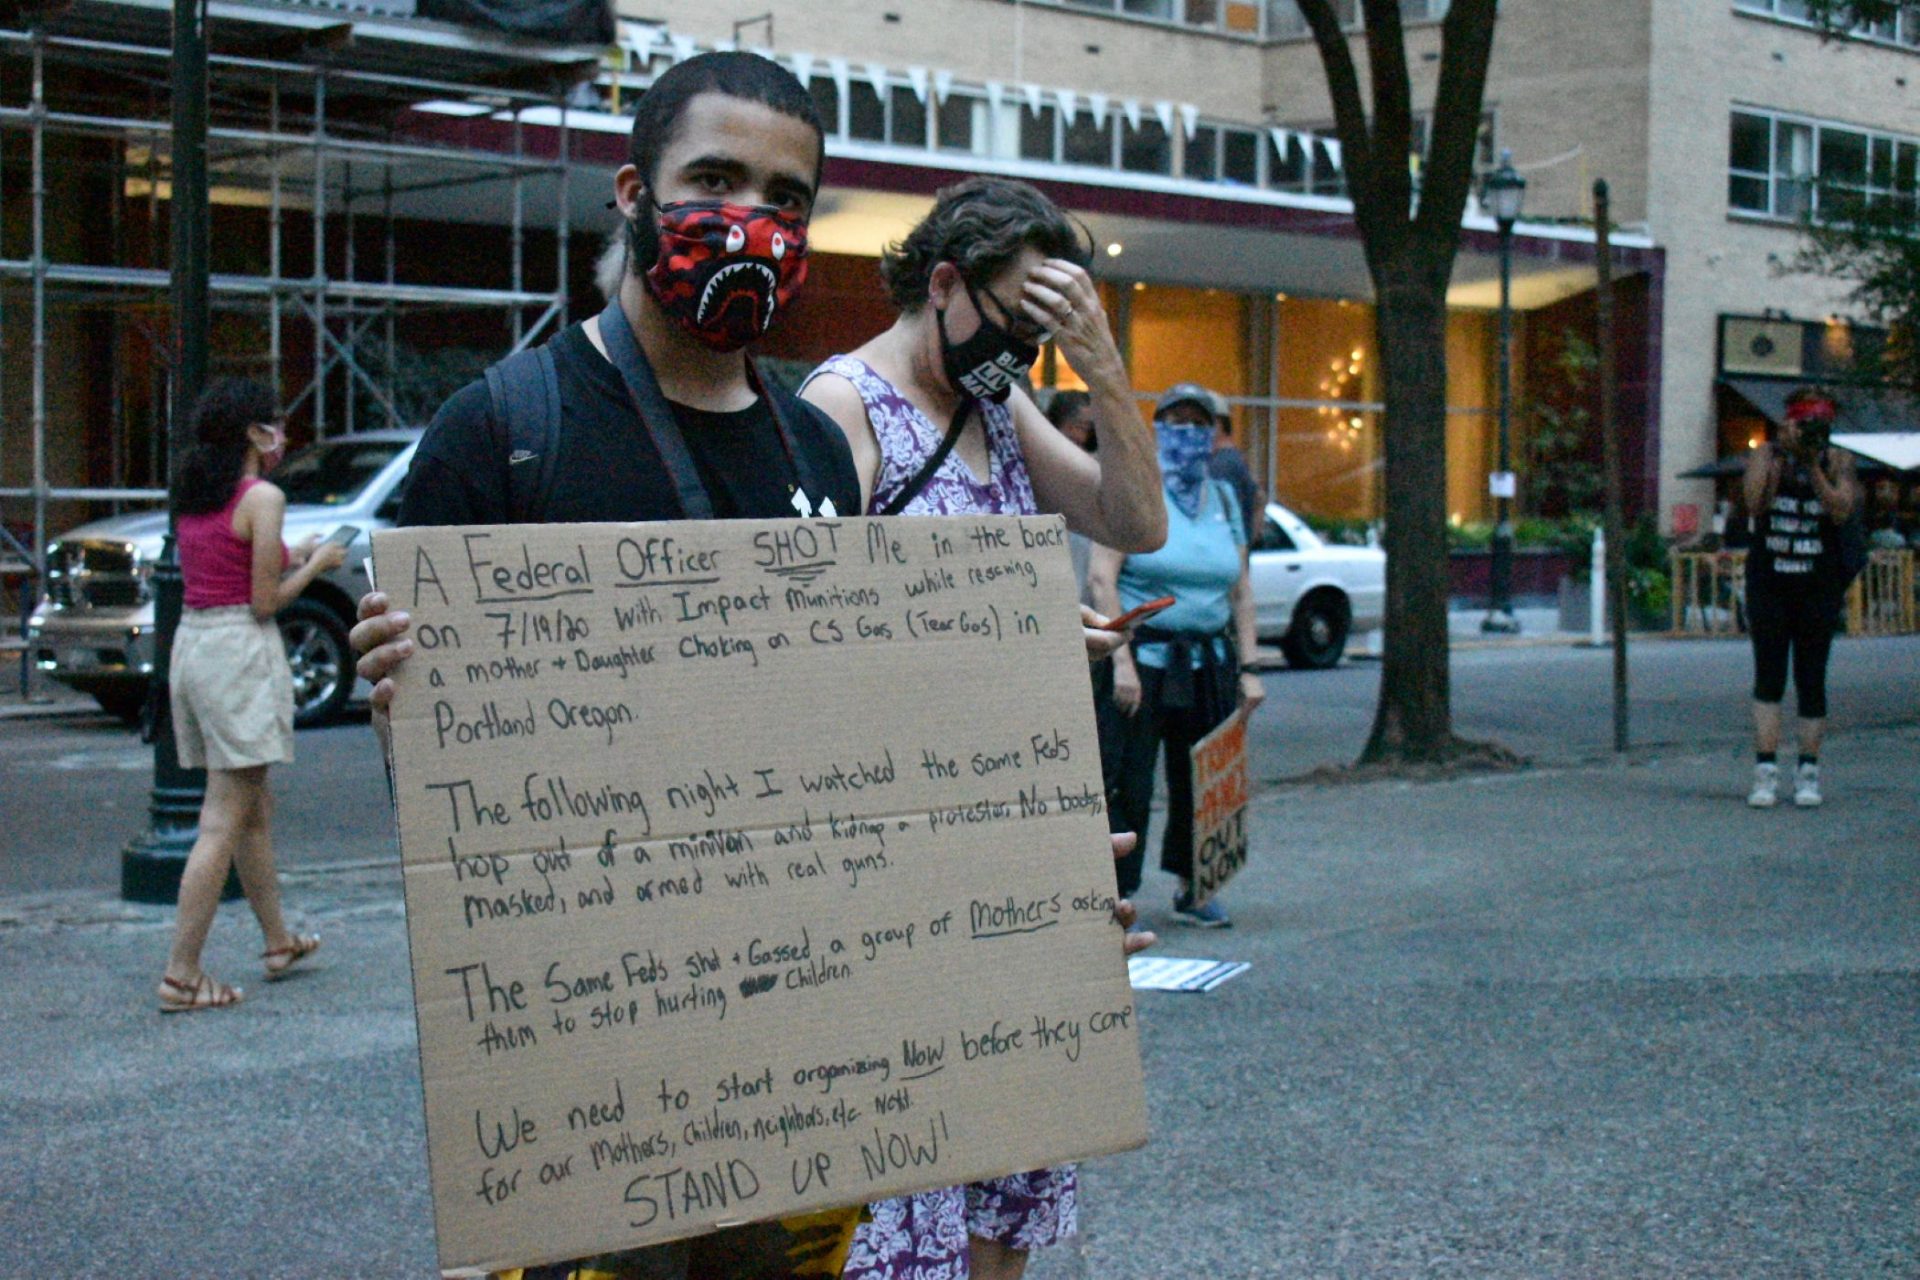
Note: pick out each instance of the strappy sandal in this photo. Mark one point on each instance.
(280, 960)
(191, 997)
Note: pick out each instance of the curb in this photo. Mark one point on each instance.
(48, 711)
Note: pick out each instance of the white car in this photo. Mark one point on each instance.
(94, 627)
(1309, 595)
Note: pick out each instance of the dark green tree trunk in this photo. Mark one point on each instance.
(1410, 238)
(1414, 720)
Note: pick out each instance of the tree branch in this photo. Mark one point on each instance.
(1466, 45)
(1392, 106)
(1349, 111)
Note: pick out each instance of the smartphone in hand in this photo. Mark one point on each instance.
(1139, 613)
(344, 535)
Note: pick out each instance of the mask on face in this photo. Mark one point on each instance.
(723, 272)
(984, 366)
(1184, 450)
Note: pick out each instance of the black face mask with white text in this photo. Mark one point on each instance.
(985, 366)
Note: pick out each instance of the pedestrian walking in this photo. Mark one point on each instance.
(1802, 496)
(231, 686)
(1180, 676)
(992, 273)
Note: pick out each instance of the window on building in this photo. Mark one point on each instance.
(1284, 19)
(1202, 159)
(1240, 157)
(866, 113)
(1235, 17)
(1084, 142)
(1037, 129)
(826, 100)
(1778, 166)
(1903, 28)
(1295, 169)
(1241, 18)
(1287, 163)
(962, 124)
(1325, 177)
(1752, 163)
(1146, 149)
(1843, 159)
(908, 127)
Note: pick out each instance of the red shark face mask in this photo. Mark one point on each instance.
(724, 272)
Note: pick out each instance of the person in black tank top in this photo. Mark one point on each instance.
(1799, 492)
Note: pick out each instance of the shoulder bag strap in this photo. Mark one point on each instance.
(656, 415)
(932, 464)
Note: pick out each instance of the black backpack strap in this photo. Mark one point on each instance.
(656, 414)
(525, 389)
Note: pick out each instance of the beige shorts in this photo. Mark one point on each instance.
(232, 691)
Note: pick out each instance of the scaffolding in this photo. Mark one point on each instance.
(305, 117)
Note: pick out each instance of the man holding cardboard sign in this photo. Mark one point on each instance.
(783, 955)
(658, 417)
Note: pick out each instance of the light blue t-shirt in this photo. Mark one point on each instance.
(1198, 566)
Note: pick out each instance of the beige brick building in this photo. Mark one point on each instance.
(1191, 136)
(1653, 95)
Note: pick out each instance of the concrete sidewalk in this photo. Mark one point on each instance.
(1590, 1022)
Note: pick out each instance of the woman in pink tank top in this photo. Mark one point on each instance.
(232, 693)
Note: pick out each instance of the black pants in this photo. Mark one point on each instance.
(1129, 748)
(1793, 625)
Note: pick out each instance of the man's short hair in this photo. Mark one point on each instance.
(980, 226)
(1065, 404)
(736, 74)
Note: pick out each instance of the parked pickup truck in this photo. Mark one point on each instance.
(94, 629)
(1308, 595)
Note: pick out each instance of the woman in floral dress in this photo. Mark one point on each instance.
(993, 272)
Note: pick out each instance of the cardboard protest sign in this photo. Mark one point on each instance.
(751, 868)
(1219, 806)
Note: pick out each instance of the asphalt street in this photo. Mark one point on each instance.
(1588, 1019)
(75, 788)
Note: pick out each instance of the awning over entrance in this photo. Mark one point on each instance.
(1862, 409)
(1881, 427)
(1897, 449)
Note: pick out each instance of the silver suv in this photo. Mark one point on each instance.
(94, 630)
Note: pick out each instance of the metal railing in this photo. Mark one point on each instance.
(1710, 594)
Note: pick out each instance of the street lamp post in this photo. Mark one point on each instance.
(1504, 191)
(151, 864)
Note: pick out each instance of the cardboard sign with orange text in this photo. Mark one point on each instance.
(1219, 806)
(751, 868)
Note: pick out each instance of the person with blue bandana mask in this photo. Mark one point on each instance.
(1181, 676)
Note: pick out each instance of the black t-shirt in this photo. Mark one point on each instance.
(608, 469)
(1795, 544)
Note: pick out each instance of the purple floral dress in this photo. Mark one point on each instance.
(924, 1236)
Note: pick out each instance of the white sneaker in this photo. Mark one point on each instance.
(1806, 787)
(1766, 786)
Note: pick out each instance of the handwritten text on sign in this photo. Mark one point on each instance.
(751, 867)
(1219, 805)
